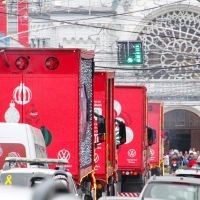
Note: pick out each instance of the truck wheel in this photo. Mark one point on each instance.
(98, 193)
(111, 188)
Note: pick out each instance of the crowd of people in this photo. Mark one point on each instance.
(186, 159)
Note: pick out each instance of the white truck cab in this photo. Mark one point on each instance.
(21, 140)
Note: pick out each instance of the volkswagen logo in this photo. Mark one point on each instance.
(131, 153)
(64, 154)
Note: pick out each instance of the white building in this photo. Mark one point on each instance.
(168, 29)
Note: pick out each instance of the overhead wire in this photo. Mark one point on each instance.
(116, 30)
(124, 13)
(148, 69)
(112, 29)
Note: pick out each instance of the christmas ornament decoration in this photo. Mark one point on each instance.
(12, 114)
(22, 94)
(47, 135)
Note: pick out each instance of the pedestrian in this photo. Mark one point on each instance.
(181, 157)
(185, 159)
(193, 160)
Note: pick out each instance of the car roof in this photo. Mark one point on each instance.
(189, 171)
(174, 179)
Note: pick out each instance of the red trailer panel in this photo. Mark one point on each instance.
(130, 106)
(52, 88)
(105, 153)
(154, 121)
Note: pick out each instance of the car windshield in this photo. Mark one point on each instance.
(171, 191)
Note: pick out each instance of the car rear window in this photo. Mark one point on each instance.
(171, 191)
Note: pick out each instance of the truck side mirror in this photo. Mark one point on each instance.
(101, 127)
(120, 132)
(151, 136)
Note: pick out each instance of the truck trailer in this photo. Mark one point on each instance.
(52, 89)
(133, 167)
(155, 120)
(105, 151)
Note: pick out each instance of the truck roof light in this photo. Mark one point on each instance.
(131, 172)
(52, 63)
(22, 63)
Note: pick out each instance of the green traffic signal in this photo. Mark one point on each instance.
(130, 52)
(130, 60)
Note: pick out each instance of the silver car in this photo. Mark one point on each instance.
(171, 188)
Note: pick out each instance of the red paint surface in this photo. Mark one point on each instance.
(3, 17)
(154, 121)
(104, 104)
(132, 99)
(55, 97)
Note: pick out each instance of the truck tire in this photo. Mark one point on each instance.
(99, 193)
(111, 187)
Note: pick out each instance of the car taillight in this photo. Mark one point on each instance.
(22, 63)
(52, 63)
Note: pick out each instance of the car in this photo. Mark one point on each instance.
(17, 193)
(47, 190)
(35, 175)
(171, 188)
(188, 172)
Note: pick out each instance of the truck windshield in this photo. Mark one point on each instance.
(172, 191)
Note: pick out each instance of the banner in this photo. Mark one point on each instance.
(23, 25)
(3, 17)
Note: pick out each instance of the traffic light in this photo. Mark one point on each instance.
(130, 53)
(130, 60)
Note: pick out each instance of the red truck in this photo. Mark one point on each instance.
(105, 165)
(52, 89)
(155, 120)
(131, 107)
(106, 144)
